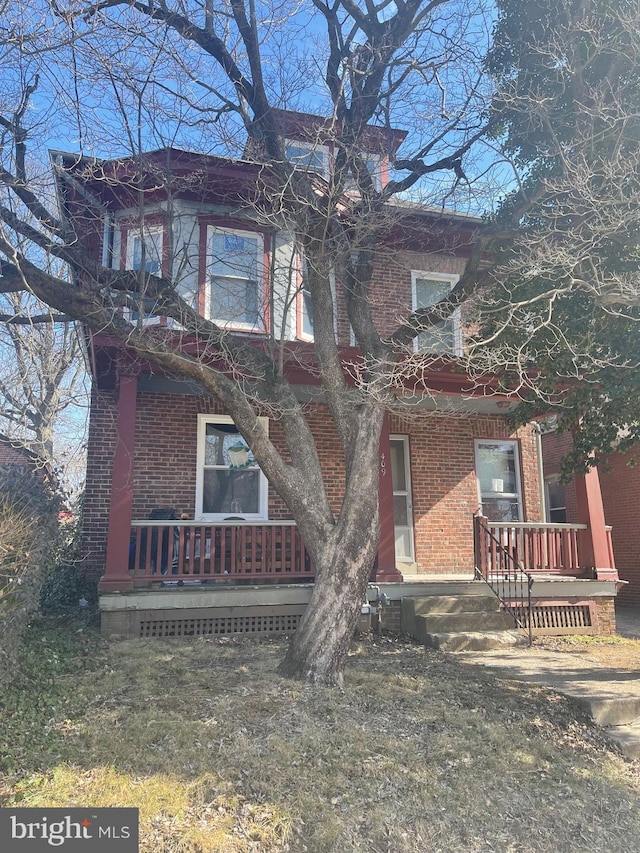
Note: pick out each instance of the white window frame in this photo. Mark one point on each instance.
(299, 334)
(407, 493)
(260, 273)
(143, 234)
(450, 279)
(375, 172)
(301, 311)
(554, 480)
(516, 461)
(263, 487)
(313, 147)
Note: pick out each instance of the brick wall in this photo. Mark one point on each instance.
(620, 486)
(604, 616)
(442, 469)
(101, 445)
(445, 492)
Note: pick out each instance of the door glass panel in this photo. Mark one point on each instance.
(397, 466)
(402, 509)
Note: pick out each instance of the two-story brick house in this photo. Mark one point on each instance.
(177, 515)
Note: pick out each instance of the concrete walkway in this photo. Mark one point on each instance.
(612, 696)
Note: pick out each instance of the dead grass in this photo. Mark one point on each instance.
(418, 753)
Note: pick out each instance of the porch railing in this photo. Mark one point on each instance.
(192, 550)
(496, 564)
(537, 548)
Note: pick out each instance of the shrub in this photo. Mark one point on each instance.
(29, 545)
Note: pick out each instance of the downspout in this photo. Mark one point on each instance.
(535, 426)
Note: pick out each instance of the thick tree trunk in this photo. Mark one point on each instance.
(319, 648)
(344, 557)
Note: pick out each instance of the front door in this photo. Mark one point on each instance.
(402, 505)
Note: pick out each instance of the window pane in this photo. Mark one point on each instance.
(153, 252)
(497, 509)
(231, 492)
(234, 301)
(400, 510)
(398, 466)
(234, 255)
(496, 469)
(300, 155)
(218, 439)
(441, 337)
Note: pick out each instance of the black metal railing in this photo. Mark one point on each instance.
(508, 580)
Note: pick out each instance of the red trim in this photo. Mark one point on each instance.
(594, 541)
(386, 563)
(116, 576)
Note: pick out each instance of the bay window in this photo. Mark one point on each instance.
(234, 283)
(144, 251)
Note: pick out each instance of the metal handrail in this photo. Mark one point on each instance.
(522, 525)
(178, 522)
(496, 579)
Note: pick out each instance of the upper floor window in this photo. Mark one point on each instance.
(304, 303)
(234, 282)
(307, 155)
(374, 166)
(428, 289)
(144, 250)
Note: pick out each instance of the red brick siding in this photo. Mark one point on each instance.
(100, 449)
(12, 456)
(620, 485)
(442, 461)
(391, 299)
(445, 492)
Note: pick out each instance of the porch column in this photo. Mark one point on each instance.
(116, 576)
(594, 550)
(386, 570)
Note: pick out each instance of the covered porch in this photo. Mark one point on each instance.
(174, 551)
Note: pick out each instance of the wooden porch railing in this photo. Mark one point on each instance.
(537, 548)
(178, 550)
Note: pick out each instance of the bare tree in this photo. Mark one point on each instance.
(416, 65)
(41, 375)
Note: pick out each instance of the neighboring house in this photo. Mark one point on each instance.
(14, 454)
(172, 496)
(619, 480)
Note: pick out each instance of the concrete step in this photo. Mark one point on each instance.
(413, 606)
(475, 641)
(454, 604)
(452, 623)
(612, 711)
(627, 738)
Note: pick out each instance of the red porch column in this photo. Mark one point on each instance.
(594, 551)
(116, 576)
(386, 570)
